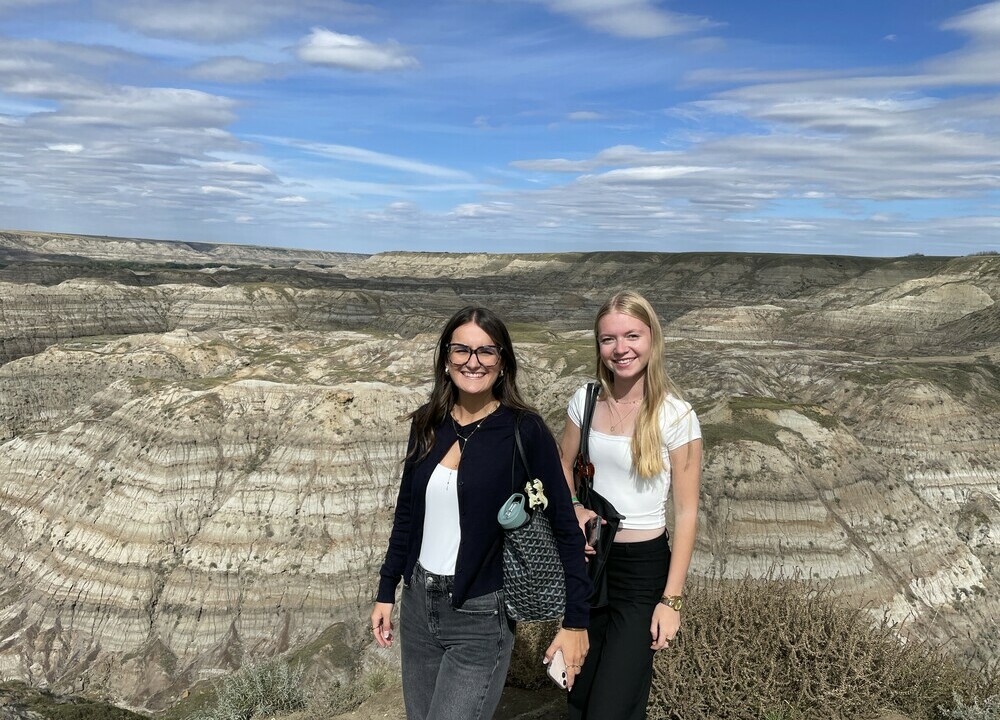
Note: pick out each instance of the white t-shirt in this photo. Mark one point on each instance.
(442, 532)
(640, 500)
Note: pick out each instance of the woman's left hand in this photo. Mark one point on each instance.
(574, 645)
(664, 626)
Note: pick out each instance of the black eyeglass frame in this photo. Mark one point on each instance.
(497, 348)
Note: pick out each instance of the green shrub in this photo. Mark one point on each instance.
(257, 690)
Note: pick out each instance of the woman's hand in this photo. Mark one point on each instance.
(582, 516)
(574, 645)
(382, 624)
(664, 626)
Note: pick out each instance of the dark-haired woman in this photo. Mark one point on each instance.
(446, 543)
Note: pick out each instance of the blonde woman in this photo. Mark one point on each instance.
(645, 441)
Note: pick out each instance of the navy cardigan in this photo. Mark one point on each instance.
(484, 484)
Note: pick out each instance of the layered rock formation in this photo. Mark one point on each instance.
(198, 464)
(169, 525)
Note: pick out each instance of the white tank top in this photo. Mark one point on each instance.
(640, 500)
(442, 532)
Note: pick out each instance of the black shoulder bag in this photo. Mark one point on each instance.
(534, 582)
(583, 474)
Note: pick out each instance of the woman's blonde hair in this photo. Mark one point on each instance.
(646, 438)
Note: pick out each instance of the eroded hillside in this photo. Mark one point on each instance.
(199, 444)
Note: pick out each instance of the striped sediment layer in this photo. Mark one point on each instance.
(192, 473)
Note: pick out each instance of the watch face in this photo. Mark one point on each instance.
(673, 602)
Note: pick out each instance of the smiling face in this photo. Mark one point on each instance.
(625, 344)
(472, 377)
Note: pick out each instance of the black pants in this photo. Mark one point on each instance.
(615, 679)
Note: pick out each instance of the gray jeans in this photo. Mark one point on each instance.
(454, 661)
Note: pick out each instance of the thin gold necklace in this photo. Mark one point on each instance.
(464, 439)
(621, 418)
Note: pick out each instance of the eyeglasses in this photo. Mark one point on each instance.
(487, 355)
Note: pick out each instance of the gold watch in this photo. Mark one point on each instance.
(674, 602)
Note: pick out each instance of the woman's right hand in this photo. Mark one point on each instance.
(382, 624)
(582, 516)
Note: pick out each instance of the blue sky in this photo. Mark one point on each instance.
(861, 128)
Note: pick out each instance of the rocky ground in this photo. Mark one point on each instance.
(199, 444)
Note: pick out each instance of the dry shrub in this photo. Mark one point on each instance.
(988, 709)
(259, 689)
(327, 700)
(791, 649)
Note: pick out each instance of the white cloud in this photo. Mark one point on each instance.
(149, 107)
(232, 167)
(982, 20)
(628, 18)
(13, 5)
(72, 148)
(235, 70)
(479, 211)
(976, 63)
(648, 174)
(291, 200)
(362, 156)
(618, 155)
(215, 190)
(351, 52)
(213, 21)
(584, 116)
(842, 114)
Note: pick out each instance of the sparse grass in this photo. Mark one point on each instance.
(326, 700)
(763, 432)
(973, 382)
(748, 424)
(17, 696)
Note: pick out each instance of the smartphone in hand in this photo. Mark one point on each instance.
(593, 530)
(557, 669)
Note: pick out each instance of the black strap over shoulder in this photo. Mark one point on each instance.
(593, 390)
(518, 450)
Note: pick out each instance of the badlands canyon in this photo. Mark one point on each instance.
(200, 444)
